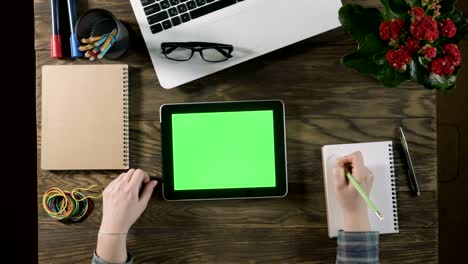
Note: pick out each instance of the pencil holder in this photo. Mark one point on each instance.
(98, 22)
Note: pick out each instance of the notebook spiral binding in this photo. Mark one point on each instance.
(126, 137)
(393, 184)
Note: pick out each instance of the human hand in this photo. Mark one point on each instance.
(354, 207)
(123, 204)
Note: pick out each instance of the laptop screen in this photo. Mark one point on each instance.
(223, 150)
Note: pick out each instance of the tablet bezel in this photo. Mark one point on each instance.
(281, 188)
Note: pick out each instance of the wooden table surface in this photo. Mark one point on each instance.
(325, 104)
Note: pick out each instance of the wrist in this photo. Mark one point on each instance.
(356, 221)
(112, 228)
(112, 248)
(111, 234)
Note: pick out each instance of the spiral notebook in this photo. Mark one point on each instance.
(84, 117)
(378, 157)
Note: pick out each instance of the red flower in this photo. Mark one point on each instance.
(453, 54)
(412, 45)
(447, 64)
(384, 30)
(391, 29)
(416, 12)
(428, 51)
(448, 28)
(398, 58)
(425, 29)
(441, 66)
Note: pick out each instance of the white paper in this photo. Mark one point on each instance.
(377, 157)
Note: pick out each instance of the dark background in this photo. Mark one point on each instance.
(19, 203)
(18, 176)
(452, 151)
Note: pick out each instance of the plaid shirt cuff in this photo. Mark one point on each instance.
(98, 260)
(358, 247)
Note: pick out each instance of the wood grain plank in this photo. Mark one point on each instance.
(303, 207)
(234, 245)
(304, 141)
(310, 80)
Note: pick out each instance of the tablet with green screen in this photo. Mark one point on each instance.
(223, 150)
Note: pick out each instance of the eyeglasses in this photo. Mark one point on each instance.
(183, 51)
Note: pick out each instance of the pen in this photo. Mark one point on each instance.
(55, 39)
(412, 175)
(364, 195)
(74, 44)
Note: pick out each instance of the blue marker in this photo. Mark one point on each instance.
(74, 44)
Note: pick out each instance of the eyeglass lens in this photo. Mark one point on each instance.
(208, 54)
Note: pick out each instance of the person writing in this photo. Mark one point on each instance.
(356, 243)
(126, 198)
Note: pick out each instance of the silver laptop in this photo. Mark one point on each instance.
(252, 27)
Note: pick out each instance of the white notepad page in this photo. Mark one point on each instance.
(378, 157)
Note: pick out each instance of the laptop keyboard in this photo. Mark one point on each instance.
(165, 14)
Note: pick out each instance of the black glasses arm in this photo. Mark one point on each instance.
(194, 44)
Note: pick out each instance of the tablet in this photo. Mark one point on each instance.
(223, 150)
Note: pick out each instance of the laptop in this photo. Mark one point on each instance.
(252, 27)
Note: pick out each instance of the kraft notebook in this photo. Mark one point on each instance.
(84, 117)
(378, 157)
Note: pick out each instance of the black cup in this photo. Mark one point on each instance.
(97, 22)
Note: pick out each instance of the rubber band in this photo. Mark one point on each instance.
(65, 206)
(77, 190)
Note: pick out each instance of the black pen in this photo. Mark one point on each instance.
(411, 173)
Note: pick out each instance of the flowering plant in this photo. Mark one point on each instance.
(411, 40)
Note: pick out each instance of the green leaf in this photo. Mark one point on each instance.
(361, 63)
(370, 59)
(390, 77)
(424, 62)
(396, 8)
(420, 74)
(367, 58)
(447, 6)
(439, 82)
(359, 21)
(412, 3)
(418, 71)
(458, 18)
(373, 45)
(461, 34)
(461, 22)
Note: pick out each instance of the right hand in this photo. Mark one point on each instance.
(354, 207)
(122, 203)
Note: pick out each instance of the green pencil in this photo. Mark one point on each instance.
(364, 195)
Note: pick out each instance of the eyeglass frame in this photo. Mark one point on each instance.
(198, 47)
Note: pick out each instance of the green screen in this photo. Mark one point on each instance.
(223, 150)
